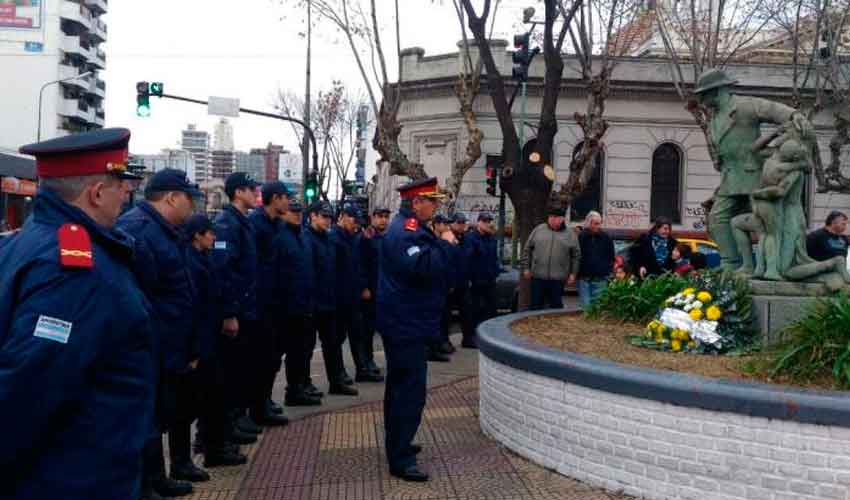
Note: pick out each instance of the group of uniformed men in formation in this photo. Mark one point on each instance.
(118, 328)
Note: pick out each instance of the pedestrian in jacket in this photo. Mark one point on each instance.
(267, 345)
(323, 253)
(830, 240)
(235, 263)
(207, 395)
(76, 343)
(412, 286)
(161, 268)
(370, 255)
(652, 254)
(482, 259)
(550, 258)
(295, 282)
(597, 259)
(456, 300)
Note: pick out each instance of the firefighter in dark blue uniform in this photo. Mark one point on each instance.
(479, 247)
(161, 268)
(76, 340)
(235, 263)
(295, 280)
(209, 376)
(412, 285)
(370, 253)
(323, 256)
(266, 345)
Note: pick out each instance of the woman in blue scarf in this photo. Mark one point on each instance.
(651, 255)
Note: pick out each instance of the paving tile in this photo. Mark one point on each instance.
(490, 486)
(435, 489)
(366, 490)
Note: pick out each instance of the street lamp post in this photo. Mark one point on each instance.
(41, 95)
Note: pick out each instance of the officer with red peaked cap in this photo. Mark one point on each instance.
(413, 281)
(76, 360)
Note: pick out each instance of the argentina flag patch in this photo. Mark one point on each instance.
(53, 329)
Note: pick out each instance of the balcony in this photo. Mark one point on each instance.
(98, 59)
(76, 13)
(98, 7)
(99, 119)
(98, 29)
(97, 88)
(66, 72)
(71, 45)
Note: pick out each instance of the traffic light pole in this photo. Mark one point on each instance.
(264, 114)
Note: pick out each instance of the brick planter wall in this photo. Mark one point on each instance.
(636, 430)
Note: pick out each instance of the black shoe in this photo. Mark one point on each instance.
(373, 368)
(271, 420)
(411, 473)
(240, 437)
(302, 399)
(168, 487)
(345, 379)
(469, 343)
(189, 472)
(436, 356)
(152, 495)
(247, 424)
(274, 407)
(312, 390)
(343, 390)
(416, 449)
(446, 348)
(369, 377)
(224, 458)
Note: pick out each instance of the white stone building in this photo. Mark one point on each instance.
(167, 158)
(197, 142)
(42, 42)
(655, 160)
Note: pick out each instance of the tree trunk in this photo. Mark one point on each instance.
(385, 143)
(467, 91)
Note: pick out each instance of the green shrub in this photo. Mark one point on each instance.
(634, 301)
(817, 345)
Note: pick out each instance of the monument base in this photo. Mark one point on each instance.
(776, 304)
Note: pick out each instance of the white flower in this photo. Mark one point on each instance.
(690, 297)
(697, 304)
(688, 307)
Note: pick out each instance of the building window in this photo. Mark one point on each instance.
(665, 191)
(591, 197)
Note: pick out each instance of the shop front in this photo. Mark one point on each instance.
(18, 186)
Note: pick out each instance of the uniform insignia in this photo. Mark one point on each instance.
(53, 329)
(413, 251)
(221, 245)
(75, 246)
(411, 224)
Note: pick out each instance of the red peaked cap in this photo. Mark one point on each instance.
(425, 187)
(90, 153)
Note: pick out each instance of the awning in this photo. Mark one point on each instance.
(21, 167)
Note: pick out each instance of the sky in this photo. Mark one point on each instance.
(246, 50)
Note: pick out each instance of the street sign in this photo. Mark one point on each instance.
(223, 106)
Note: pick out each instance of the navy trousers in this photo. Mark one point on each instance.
(404, 400)
(547, 294)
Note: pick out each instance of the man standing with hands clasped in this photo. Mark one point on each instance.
(412, 283)
(550, 257)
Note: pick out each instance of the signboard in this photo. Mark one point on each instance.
(21, 14)
(33, 46)
(23, 187)
(223, 106)
(627, 214)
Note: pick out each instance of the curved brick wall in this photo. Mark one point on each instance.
(660, 435)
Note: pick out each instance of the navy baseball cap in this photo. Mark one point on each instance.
(459, 217)
(171, 179)
(441, 219)
(238, 180)
(321, 208)
(197, 223)
(295, 206)
(275, 187)
(351, 210)
(381, 210)
(485, 216)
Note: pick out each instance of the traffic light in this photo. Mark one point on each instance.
(156, 89)
(492, 180)
(143, 101)
(521, 57)
(311, 187)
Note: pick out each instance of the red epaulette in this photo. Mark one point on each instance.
(411, 224)
(75, 246)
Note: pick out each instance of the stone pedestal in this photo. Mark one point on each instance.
(776, 304)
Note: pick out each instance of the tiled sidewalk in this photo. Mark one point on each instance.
(339, 455)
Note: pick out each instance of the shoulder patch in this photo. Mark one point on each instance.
(53, 329)
(411, 224)
(220, 245)
(75, 246)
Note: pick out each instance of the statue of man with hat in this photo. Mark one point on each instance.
(734, 127)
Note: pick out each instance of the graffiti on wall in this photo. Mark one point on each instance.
(696, 212)
(627, 214)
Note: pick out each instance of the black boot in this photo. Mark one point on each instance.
(369, 376)
(168, 487)
(268, 419)
(224, 457)
(433, 355)
(188, 471)
(247, 424)
(342, 389)
(273, 407)
(312, 390)
(299, 397)
(240, 437)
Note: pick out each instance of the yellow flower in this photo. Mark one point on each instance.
(713, 313)
(704, 297)
(692, 345)
(676, 345)
(695, 314)
(658, 339)
(653, 325)
(677, 334)
(688, 291)
(685, 336)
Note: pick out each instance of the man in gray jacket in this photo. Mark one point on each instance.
(550, 258)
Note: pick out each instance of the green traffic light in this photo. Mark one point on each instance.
(310, 192)
(143, 111)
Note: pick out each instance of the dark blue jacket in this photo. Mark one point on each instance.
(235, 263)
(370, 255)
(412, 281)
(460, 264)
(597, 255)
(76, 413)
(482, 258)
(161, 268)
(265, 232)
(295, 272)
(323, 255)
(207, 304)
(350, 280)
